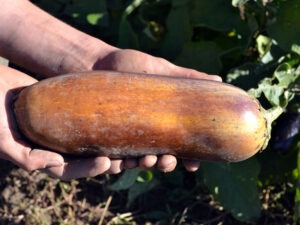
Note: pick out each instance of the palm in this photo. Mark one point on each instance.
(9, 138)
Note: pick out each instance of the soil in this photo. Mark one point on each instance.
(36, 199)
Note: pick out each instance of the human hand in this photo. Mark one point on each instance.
(15, 149)
(136, 61)
(61, 51)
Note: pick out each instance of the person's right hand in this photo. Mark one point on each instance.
(16, 150)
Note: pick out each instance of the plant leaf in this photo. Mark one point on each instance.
(127, 36)
(237, 3)
(203, 56)
(127, 179)
(140, 188)
(235, 186)
(93, 18)
(145, 176)
(284, 28)
(297, 191)
(176, 38)
(224, 18)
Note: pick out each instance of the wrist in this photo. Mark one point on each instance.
(44, 45)
(81, 54)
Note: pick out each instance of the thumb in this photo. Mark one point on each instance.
(40, 159)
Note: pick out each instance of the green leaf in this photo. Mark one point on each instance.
(218, 15)
(237, 3)
(127, 36)
(273, 93)
(296, 48)
(178, 31)
(285, 75)
(277, 89)
(263, 44)
(235, 187)
(140, 188)
(297, 193)
(284, 29)
(127, 180)
(145, 176)
(93, 18)
(245, 76)
(203, 56)
(91, 12)
(276, 168)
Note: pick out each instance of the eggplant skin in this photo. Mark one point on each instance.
(123, 115)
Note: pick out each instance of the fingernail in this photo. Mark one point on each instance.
(53, 163)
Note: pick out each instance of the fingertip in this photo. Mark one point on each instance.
(147, 162)
(192, 73)
(103, 163)
(116, 166)
(216, 78)
(167, 163)
(205, 76)
(191, 165)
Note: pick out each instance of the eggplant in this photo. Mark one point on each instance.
(123, 115)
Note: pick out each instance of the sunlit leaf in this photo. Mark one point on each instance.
(296, 49)
(245, 76)
(94, 17)
(145, 176)
(236, 3)
(91, 12)
(263, 44)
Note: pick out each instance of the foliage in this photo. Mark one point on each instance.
(253, 44)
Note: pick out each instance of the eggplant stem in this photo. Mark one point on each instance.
(270, 116)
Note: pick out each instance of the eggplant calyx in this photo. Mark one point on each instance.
(270, 116)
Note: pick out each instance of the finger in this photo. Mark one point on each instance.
(147, 162)
(167, 163)
(116, 166)
(190, 73)
(130, 163)
(191, 165)
(79, 168)
(36, 159)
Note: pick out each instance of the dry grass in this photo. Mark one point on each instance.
(35, 199)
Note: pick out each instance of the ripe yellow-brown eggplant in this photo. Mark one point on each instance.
(128, 115)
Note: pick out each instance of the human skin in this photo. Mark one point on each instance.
(42, 44)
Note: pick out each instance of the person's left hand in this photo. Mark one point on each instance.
(138, 62)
